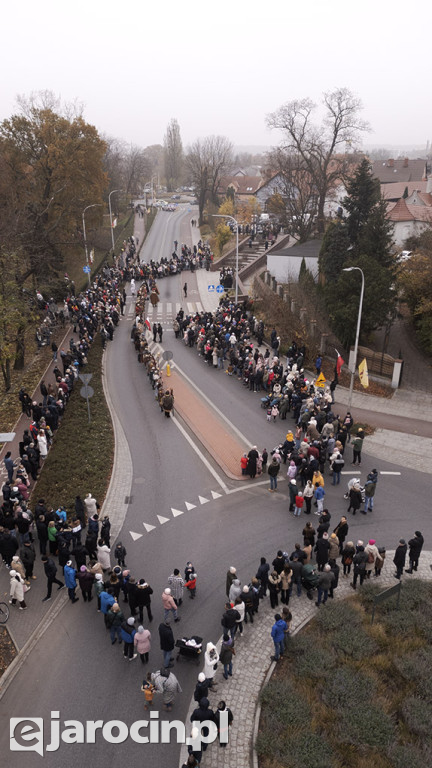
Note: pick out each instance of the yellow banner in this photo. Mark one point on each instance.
(363, 373)
(321, 380)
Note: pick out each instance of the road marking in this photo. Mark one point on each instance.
(131, 310)
(203, 500)
(212, 405)
(390, 473)
(193, 445)
(351, 472)
(177, 512)
(189, 506)
(149, 527)
(135, 536)
(216, 495)
(162, 519)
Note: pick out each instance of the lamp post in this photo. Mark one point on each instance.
(94, 205)
(110, 215)
(351, 269)
(220, 216)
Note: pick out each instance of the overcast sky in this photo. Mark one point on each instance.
(220, 67)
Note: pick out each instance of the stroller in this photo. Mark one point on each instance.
(350, 485)
(189, 651)
(310, 578)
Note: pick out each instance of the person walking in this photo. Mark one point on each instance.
(278, 636)
(369, 489)
(325, 581)
(50, 569)
(142, 643)
(169, 604)
(415, 547)
(127, 634)
(16, 591)
(357, 445)
(355, 497)
(176, 585)
(142, 595)
(273, 471)
(226, 655)
(114, 620)
(400, 557)
(167, 644)
(167, 684)
(185, 290)
(85, 580)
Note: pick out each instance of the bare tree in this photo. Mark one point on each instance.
(207, 160)
(296, 201)
(173, 155)
(317, 145)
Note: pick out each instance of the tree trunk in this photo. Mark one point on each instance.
(19, 349)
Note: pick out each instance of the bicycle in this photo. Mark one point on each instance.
(4, 613)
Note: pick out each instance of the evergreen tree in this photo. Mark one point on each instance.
(363, 195)
(334, 252)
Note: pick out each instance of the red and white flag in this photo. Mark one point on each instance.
(147, 322)
(339, 362)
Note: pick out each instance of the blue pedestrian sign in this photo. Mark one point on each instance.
(220, 289)
(211, 288)
(87, 269)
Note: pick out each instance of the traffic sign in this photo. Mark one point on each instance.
(85, 377)
(86, 391)
(211, 288)
(167, 355)
(87, 270)
(219, 289)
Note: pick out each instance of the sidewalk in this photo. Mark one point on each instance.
(252, 664)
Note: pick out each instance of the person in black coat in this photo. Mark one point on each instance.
(42, 532)
(201, 713)
(359, 563)
(322, 549)
(166, 637)
(341, 532)
(415, 548)
(8, 547)
(279, 562)
(229, 619)
(143, 594)
(201, 688)
(335, 570)
(262, 576)
(80, 554)
(400, 557)
(50, 569)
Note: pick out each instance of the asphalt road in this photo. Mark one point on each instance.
(75, 670)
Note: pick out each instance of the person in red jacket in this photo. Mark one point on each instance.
(299, 501)
(243, 463)
(191, 585)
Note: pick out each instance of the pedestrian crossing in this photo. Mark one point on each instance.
(168, 310)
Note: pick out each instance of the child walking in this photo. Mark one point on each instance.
(148, 690)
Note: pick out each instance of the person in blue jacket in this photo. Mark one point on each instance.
(128, 632)
(278, 634)
(70, 581)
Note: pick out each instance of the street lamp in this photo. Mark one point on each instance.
(110, 215)
(94, 205)
(351, 269)
(220, 216)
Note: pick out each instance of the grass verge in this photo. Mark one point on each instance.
(81, 458)
(350, 694)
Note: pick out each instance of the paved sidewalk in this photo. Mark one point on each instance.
(252, 663)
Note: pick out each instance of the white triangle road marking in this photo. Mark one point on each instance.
(189, 506)
(203, 500)
(176, 512)
(162, 520)
(135, 536)
(149, 527)
(216, 495)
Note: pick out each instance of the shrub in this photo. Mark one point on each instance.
(364, 724)
(418, 715)
(353, 642)
(338, 615)
(416, 668)
(403, 755)
(346, 689)
(282, 705)
(310, 750)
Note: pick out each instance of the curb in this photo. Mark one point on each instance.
(28, 647)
